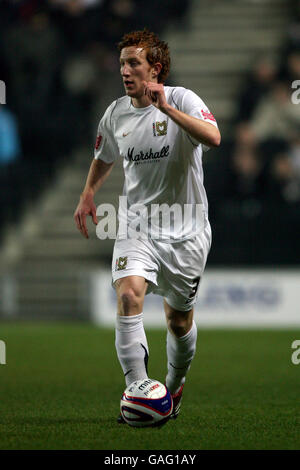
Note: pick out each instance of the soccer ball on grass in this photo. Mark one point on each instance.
(146, 403)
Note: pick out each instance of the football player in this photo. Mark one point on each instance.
(160, 132)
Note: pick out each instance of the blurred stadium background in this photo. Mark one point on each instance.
(61, 384)
(60, 66)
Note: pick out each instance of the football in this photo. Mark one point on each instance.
(146, 403)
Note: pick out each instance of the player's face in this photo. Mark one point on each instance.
(134, 70)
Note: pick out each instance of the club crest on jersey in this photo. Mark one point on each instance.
(160, 128)
(121, 263)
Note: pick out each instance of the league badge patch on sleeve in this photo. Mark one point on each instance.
(207, 115)
(98, 141)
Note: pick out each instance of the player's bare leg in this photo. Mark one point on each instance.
(181, 348)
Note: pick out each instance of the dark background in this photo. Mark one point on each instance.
(252, 180)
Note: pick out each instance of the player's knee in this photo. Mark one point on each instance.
(130, 300)
(130, 294)
(179, 326)
(179, 322)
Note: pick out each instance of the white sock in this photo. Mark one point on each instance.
(132, 347)
(180, 353)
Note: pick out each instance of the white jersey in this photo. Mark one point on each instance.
(162, 163)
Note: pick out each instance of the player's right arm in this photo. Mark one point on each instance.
(98, 173)
(106, 151)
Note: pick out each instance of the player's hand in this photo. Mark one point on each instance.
(85, 207)
(156, 94)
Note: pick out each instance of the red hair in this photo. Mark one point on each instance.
(156, 50)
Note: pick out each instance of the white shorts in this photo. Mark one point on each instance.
(173, 270)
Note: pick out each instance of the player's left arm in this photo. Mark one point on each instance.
(204, 132)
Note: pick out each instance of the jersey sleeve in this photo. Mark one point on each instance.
(106, 147)
(191, 104)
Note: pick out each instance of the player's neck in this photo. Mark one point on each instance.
(141, 102)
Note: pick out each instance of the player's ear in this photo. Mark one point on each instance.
(156, 69)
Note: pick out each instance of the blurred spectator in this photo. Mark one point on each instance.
(258, 84)
(120, 16)
(80, 21)
(294, 28)
(276, 115)
(75, 7)
(47, 110)
(169, 10)
(247, 174)
(290, 68)
(244, 136)
(284, 183)
(36, 59)
(177, 9)
(10, 148)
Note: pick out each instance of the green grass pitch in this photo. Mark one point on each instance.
(61, 386)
